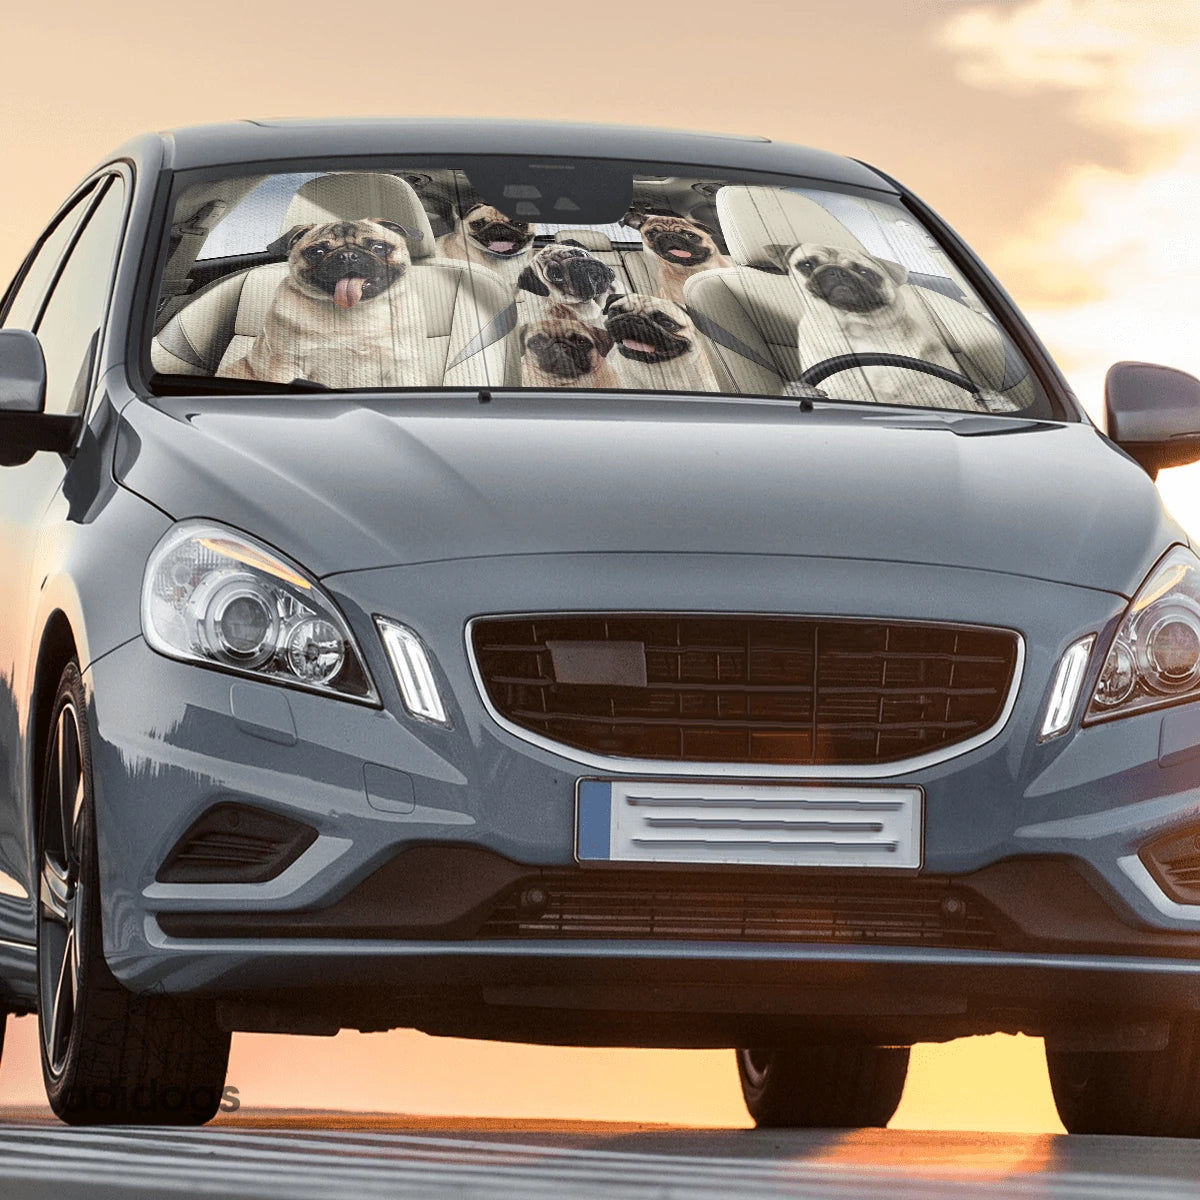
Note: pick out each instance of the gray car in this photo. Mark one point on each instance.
(580, 585)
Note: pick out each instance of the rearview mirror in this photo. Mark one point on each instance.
(1153, 414)
(24, 427)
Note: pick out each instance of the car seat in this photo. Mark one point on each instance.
(468, 315)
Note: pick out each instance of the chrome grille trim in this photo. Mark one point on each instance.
(613, 764)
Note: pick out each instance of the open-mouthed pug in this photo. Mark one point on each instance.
(560, 350)
(657, 346)
(342, 316)
(571, 275)
(484, 235)
(679, 248)
(857, 303)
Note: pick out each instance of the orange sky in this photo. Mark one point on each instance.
(1061, 137)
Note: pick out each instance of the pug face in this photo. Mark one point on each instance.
(647, 329)
(495, 233)
(568, 273)
(679, 241)
(564, 346)
(850, 280)
(348, 262)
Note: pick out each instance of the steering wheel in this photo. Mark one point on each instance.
(821, 371)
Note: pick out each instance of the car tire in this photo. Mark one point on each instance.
(109, 1056)
(1143, 1093)
(823, 1087)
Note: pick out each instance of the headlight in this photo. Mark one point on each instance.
(1154, 659)
(213, 596)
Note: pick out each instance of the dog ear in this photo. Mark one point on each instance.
(603, 339)
(403, 230)
(522, 337)
(774, 260)
(530, 281)
(572, 242)
(635, 218)
(284, 244)
(466, 205)
(611, 299)
(712, 233)
(897, 272)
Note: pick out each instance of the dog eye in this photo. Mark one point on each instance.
(554, 275)
(538, 341)
(691, 237)
(379, 247)
(315, 253)
(663, 320)
(806, 265)
(577, 339)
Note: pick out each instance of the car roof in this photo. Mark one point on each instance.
(253, 141)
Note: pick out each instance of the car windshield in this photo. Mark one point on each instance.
(573, 274)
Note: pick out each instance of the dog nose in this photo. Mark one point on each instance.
(592, 275)
(347, 257)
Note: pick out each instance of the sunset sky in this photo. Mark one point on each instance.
(1060, 137)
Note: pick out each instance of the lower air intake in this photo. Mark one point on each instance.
(236, 843)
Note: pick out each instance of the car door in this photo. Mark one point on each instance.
(62, 296)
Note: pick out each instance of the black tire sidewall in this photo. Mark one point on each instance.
(92, 967)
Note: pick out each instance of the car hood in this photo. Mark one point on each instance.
(343, 485)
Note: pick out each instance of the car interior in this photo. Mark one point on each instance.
(757, 327)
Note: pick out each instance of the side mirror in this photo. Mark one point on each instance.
(24, 427)
(1153, 414)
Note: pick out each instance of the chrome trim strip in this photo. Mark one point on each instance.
(1145, 883)
(323, 853)
(645, 766)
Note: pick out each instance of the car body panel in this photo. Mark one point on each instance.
(450, 478)
(434, 510)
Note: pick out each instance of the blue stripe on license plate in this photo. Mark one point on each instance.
(594, 828)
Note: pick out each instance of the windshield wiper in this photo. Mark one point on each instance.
(209, 385)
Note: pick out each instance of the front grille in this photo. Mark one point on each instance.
(679, 906)
(745, 689)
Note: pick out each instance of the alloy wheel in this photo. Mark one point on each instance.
(60, 894)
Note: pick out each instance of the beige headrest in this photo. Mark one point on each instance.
(752, 218)
(352, 195)
(589, 239)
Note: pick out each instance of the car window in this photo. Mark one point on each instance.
(581, 274)
(25, 302)
(69, 328)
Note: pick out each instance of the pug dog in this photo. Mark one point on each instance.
(484, 236)
(657, 345)
(568, 274)
(559, 350)
(855, 302)
(342, 316)
(679, 248)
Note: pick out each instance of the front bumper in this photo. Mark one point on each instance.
(170, 740)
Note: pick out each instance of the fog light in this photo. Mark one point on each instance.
(414, 675)
(1064, 695)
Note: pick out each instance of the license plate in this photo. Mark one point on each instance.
(761, 824)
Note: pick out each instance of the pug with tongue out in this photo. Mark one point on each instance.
(679, 248)
(657, 347)
(343, 315)
(484, 235)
